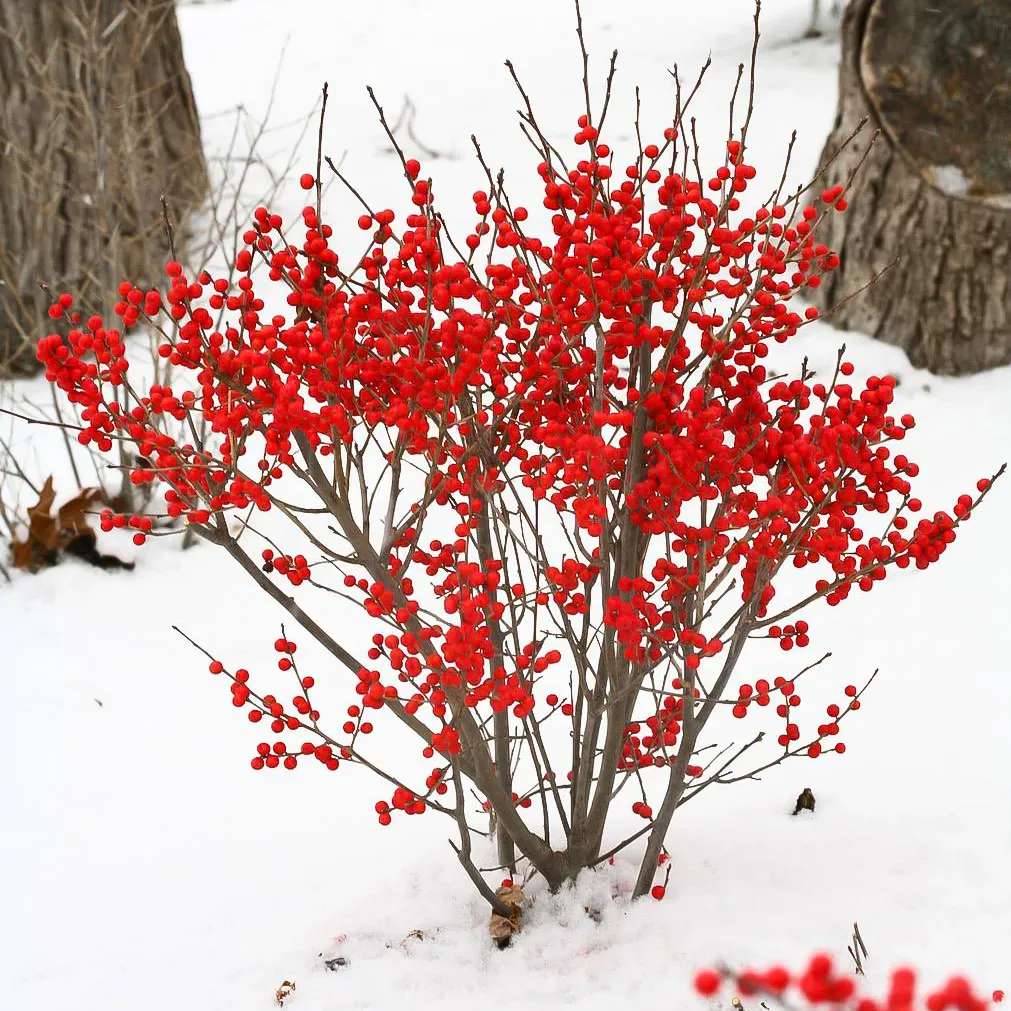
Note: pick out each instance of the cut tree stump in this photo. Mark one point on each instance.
(97, 123)
(930, 206)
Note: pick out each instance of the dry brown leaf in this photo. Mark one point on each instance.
(283, 992)
(39, 548)
(511, 895)
(501, 927)
(42, 526)
(71, 516)
(413, 935)
(21, 555)
(67, 529)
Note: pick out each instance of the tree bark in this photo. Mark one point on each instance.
(931, 204)
(97, 123)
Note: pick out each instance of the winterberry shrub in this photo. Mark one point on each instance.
(551, 466)
(822, 984)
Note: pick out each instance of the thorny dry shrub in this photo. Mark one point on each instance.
(552, 469)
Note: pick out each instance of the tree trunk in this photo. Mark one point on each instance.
(931, 204)
(97, 123)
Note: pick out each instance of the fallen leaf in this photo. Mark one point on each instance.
(502, 927)
(283, 992)
(41, 523)
(805, 802)
(67, 531)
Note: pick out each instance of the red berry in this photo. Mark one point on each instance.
(480, 377)
(777, 979)
(708, 982)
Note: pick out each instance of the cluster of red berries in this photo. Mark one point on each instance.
(820, 983)
(512, 377)
(108, 520)
(790, 635)
(294, 567)
(761, 694)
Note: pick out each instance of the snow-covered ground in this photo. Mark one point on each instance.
(147, 868)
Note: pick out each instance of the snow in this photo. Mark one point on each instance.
(949, 179)
(145, 866)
